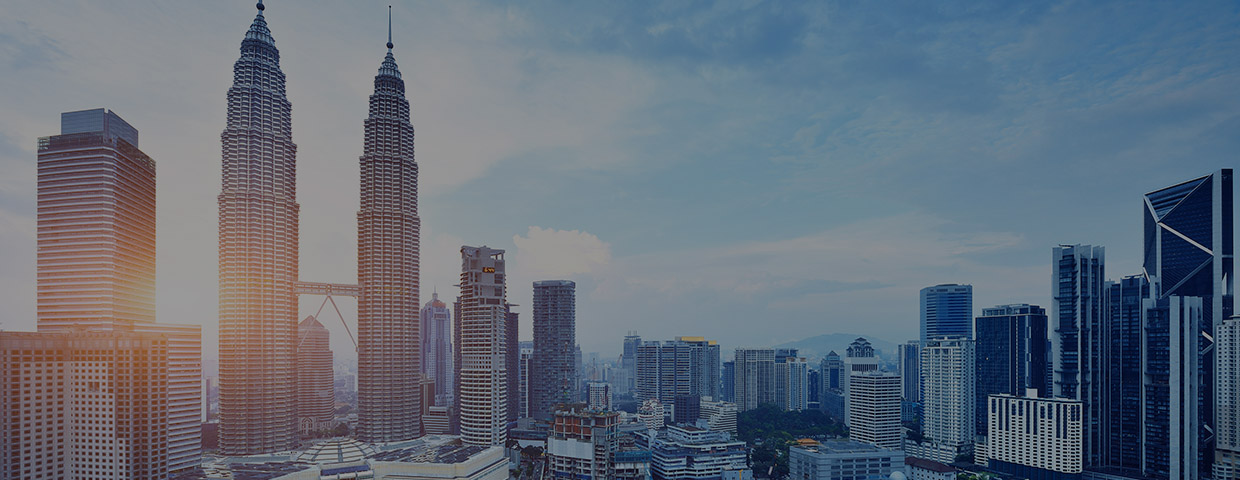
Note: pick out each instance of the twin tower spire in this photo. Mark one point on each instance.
(259, 260)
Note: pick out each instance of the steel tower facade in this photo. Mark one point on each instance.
(258, 254)
(389, 348)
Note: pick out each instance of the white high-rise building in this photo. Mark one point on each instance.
(859, 358)
(719, 416)
(948, 370)
(598, 395)
(1035, 437)
(483, 381)
(316, 399)
(258, 254)
(96, 258)
(874, 404)
(755, 377)
(1227, 400)
(796, 383)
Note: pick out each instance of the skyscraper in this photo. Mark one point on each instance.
(728, 383)
(946, 310)
(96, 217)
(389, 396)
(910, 372)
(755, 377)
(555, 340)
(1077, 335)
(874, 401)
(680, 367)
(483, 379)
(1011, 354)
(832, 371)
(512, 360)
(316, 399)
(524, 364)
(1171, 423)
(1189, 250)
(437, 349)
(628, 362)
(947, 365)
(1123, 412)
(96, 263)
(258, 254)
(859, 358)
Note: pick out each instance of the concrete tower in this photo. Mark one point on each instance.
(483, 381)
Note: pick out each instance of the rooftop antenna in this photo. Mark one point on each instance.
(389, 44)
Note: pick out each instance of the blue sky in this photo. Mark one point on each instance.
(755, 172)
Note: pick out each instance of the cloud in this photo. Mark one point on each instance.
(549, 253)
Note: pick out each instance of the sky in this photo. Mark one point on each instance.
(752, 172)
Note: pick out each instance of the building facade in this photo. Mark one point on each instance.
(1123, 412)
(843, 459)
(685, 452)
(258, 254)
(316, 399)
(859, 358)
(946, 310)
(754, 377)
(1011, 342)
(437, 349)
(1035, 437)
(874, 403)
(483, 378)
(554, 379)
(582, 443)
(684, 366)
(598, 396)
(96, 257)
(1077, 336)
(1227, 394)
(910, 371)
(948, 370)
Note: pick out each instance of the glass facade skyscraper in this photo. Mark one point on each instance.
(437, 349)
(946, 310)
(1122, 425)
(1011, 354)
(1077, 335)
(1189, 242)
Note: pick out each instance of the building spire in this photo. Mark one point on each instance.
(260, 7)
(389, 44)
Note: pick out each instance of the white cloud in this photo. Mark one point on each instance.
(547, 253)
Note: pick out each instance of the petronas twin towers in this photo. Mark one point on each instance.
(258, 259)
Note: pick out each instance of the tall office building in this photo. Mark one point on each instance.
(96, 224)
(832, 367)
(389, 395)
(512, 360)
(755, 377)
(96, 257)
(946, 310)
(628, 362)
(1227, 391)
(859, 358)
(1123, 413)
(483, 379)
(684, 366)
(1077, 335)
(437, 349)
(727, 385)
(1011, 354)
(947, 366)
(258, 254)
(524, 364)
(1189, 252)
(874, 404)
(910, 371)
(1172, 420)
(316, 399)
(793, 374)
(554, 379)
(85, 405)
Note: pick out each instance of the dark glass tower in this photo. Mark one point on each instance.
(554, 378)
(1078, 338)
(1122, 425)
(258, 254)
(1188, 254)
(946, 310)
(389, 394)
(1011, 354)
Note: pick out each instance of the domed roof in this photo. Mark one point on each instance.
(336, 450)
(897, 475)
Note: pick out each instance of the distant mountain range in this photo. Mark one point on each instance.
(816, 347)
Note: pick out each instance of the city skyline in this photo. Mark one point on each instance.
(644, 258)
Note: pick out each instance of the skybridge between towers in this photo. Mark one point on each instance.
(327, 290)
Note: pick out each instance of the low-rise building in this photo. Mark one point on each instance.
(843, 459)
(719, 416)
(922, 469)
(685, 452)
(1035, 437)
